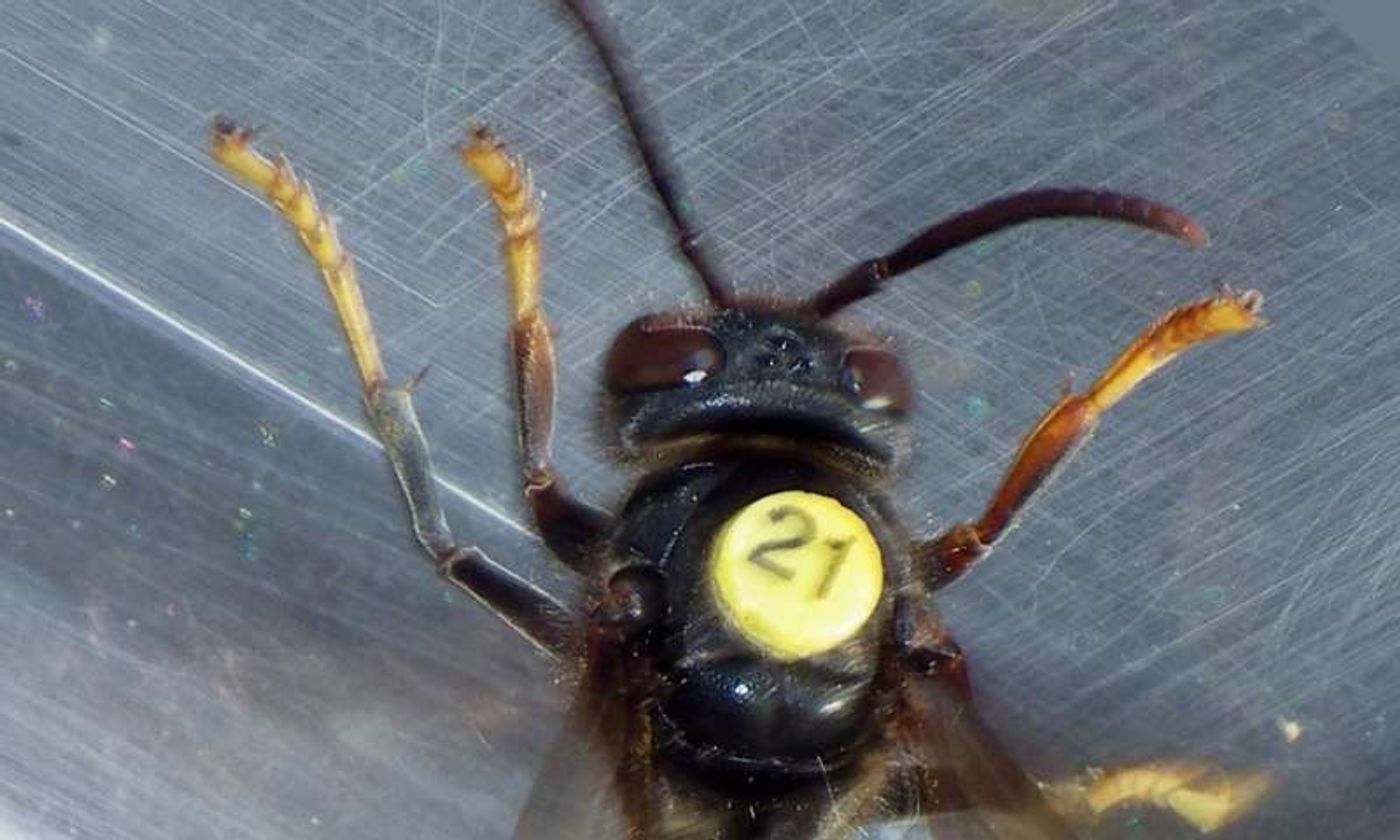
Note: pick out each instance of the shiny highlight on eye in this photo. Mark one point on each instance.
(877, 379)
(651, 354)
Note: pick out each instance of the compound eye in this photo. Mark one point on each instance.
(876, 378)
(653, 353)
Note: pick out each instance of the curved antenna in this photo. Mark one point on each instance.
(650, 148)
(867, 278)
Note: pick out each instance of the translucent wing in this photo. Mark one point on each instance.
(966, 784)
(575, 794)
(942, 775)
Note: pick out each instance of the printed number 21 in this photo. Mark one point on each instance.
(806, 534)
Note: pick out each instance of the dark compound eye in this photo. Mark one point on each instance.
(654, 353)
(877, 379)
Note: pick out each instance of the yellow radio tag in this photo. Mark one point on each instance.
(796, 573)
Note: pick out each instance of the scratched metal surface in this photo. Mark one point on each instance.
(213, 622)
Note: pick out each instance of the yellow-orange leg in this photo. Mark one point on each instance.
(569, 527)
(390, 407)
(293, 198)
(1070, 421)
(1205, 797)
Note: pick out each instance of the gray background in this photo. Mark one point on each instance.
(213, 622)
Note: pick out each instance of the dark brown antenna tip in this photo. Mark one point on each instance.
(864, 279)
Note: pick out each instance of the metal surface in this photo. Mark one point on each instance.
(213, 621)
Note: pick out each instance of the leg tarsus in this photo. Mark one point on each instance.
(571, 528)
(231, 146)
(1206, 797)
(1069, 422)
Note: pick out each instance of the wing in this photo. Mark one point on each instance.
(601, 779)
(958, 769)
(942, 777)
(574, 794)
(946, 767)
(941, 773)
